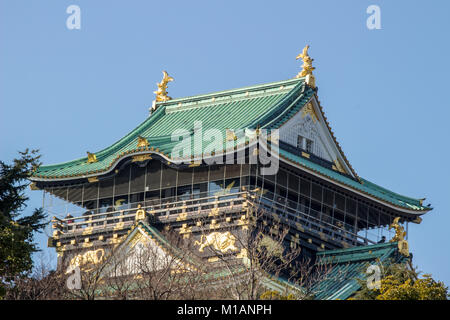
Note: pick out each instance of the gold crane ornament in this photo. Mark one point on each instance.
(399, 230)
(399, 237)
(307, 67)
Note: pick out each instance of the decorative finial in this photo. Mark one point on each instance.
(307, 67)
(161, 93)
(140, 214)
(399, 231)
(399, 237)
(91, 157)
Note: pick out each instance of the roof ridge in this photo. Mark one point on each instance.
(229, 91)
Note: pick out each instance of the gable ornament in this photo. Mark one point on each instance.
(91, 157)
(399, 237)
(307, 68)
(161, 92)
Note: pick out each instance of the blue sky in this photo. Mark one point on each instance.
(384, 91)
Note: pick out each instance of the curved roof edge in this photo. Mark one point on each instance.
(368, 189)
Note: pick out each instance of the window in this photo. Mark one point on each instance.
(184, 177)
(293, 182)
(201, 174)
(300, 142)
(232, 171)
(122, 182)
(154, 176)
(169, 177)
(137, 182)
(316, 192)
(305, 144)
(106, 188)
(75, 193)
(184, 193)
(305, 187)
(328, 197)
(339, 201)
(309, 145)
(282, 178)
(216, 173)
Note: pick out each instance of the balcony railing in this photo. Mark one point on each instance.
(162, 211)
(168, 211)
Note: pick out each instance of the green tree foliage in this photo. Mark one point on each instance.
(401, 281)
(421, 289)
(16, 229)
(275, 295)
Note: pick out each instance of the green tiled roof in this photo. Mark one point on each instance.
(268, 105)
(348, 265)
(233, 109)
